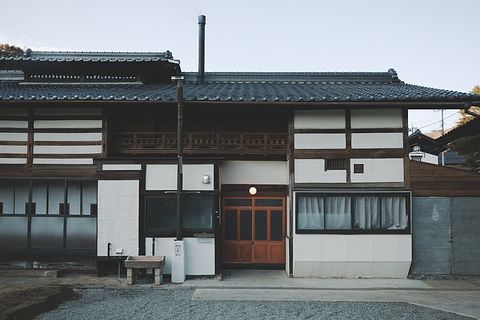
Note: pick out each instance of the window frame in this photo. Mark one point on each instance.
(354, 194)
(166, 232)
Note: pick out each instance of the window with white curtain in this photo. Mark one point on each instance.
(354, 212)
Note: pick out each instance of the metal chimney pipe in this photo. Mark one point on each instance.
(202, 21)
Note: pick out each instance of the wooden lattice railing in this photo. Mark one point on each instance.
(142, 143)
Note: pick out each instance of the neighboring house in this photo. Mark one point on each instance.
(304, 171)
(425, 148)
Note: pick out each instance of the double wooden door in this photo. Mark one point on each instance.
(253, 230)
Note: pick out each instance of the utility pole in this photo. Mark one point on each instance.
(179, 80)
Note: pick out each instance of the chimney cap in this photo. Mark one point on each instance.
(202, 19)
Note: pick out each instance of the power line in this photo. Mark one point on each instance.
(428, 125)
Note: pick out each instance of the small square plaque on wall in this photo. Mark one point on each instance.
(358, 168)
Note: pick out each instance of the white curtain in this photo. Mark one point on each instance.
(394, 212)
(338, 212)
(310, 212)
(367, 213)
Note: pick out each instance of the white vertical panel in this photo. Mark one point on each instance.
(117, 220)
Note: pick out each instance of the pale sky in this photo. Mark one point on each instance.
(429, 42)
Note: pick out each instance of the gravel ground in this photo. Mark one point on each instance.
(177, 304)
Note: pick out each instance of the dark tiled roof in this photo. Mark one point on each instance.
(249, 87)
(61, 56)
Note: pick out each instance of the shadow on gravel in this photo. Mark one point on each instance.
(39, 300)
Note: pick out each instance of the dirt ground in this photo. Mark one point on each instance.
(26, 302)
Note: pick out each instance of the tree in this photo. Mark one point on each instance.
(468, 146)
(7, 50)
(464, 117)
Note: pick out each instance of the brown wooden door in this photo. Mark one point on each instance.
(253, 230)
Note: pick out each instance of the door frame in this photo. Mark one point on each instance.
(252, 208)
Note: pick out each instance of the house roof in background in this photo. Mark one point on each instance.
(69, 56)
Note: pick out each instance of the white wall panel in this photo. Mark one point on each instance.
(117, 220)
(313, 171)
(13, 124)
(350, 256)
(67, 149)
(13, 160)
(42, 124)
(378, 170)
(68, 112)
(254, 172)
(135, 167)
(164, 177)
(68, 136)
(199, 254)
(319, 119)
(319, 141)
(376, 118)
(13, 149)
(13, 136)
(63, 161)
(377, 140)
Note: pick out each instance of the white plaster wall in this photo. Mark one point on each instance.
(319, 141)
(319, 119)
(377, 140)
(13, 160)
(132, 167)
(376, 118)
(117, 220)
(378, 170)
(63, 161)
(67, 124)
(426, 157)
(164, 177)
(68, 136)
(13, 149)
(67, 149)
(352, 256)
(13, 124)
(313, 171)
(199, 254)
(254, 172)
(13, 136)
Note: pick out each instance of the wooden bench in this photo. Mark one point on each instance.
(145, 262)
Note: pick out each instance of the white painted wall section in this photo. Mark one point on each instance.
(319, 141)
(199, 254)
(376, 118)
(164, 177)
(319, 119)
(254, 172)
(117, 220)
(378, 170)
(352, 256)
(121, 167)
(379, 140)
(62, 161)
(313, 171)
(45, 124)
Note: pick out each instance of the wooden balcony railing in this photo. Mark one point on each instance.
(145, 143)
